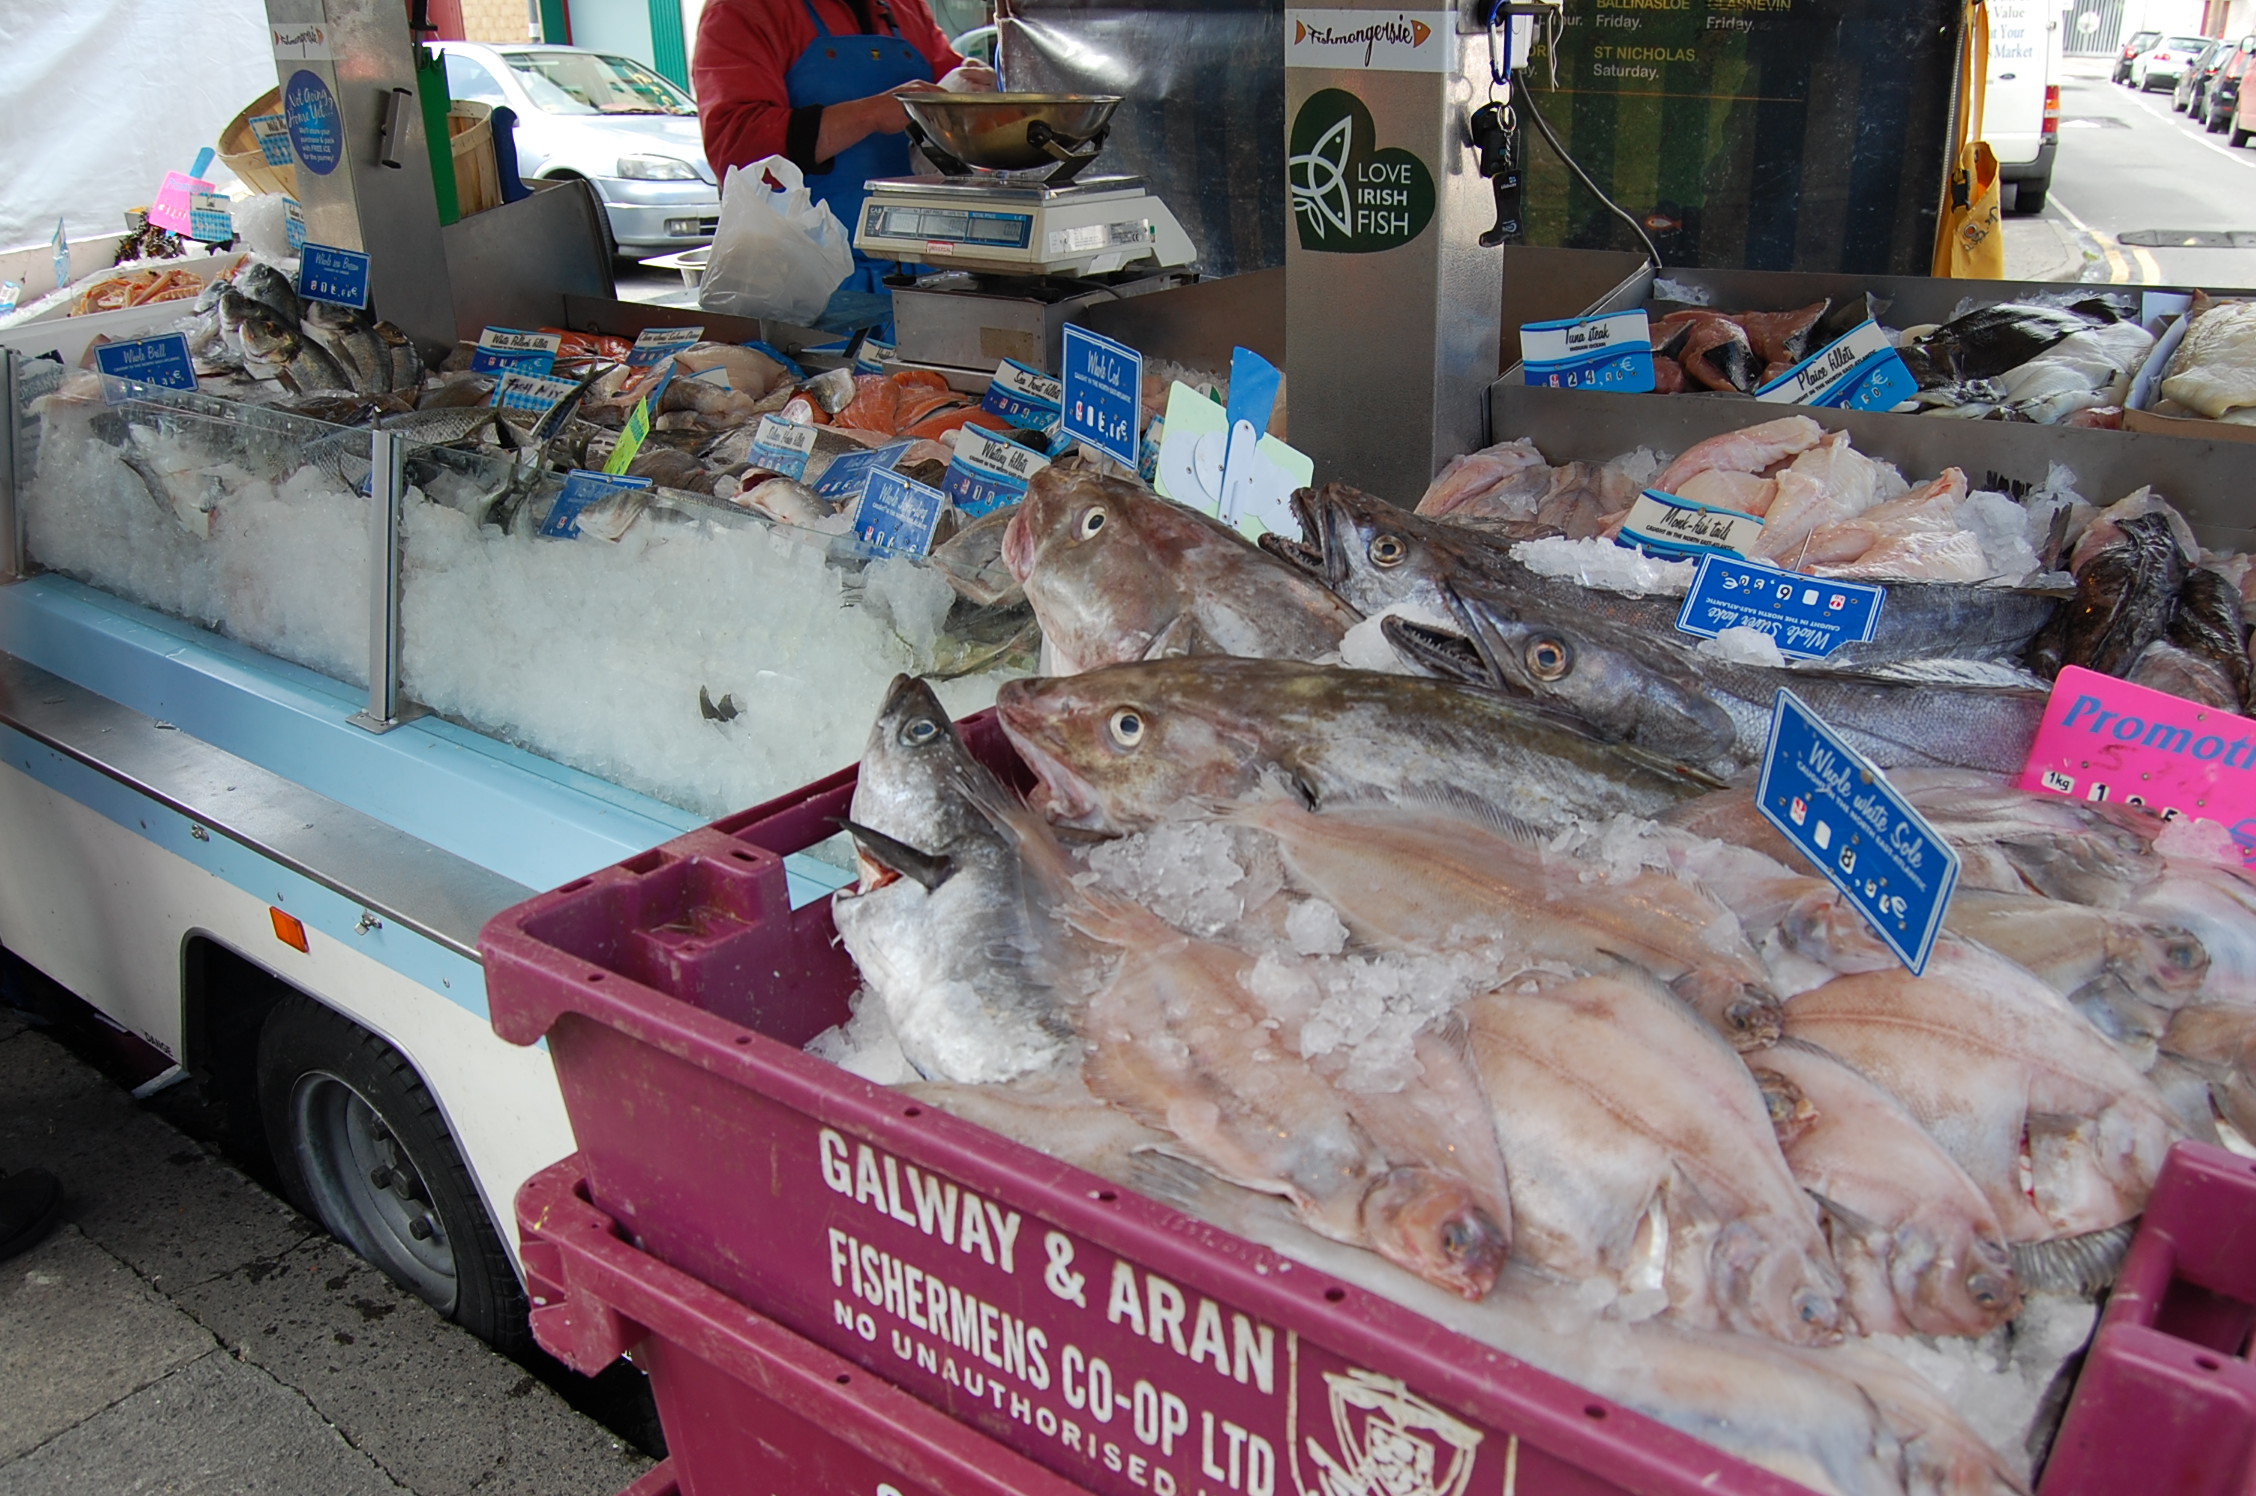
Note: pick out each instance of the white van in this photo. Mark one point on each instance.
(2021, 107)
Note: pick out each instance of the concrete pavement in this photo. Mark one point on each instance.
(184, 1331)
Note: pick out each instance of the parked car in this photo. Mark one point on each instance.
(2139, 42)
(2224, 89)
(2161, 64)
(2243, 122)
(609, 120)
(2193, 83)
(2021, 103)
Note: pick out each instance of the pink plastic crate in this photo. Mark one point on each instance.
(675, 990)
(748, 1407)
(2166, 1401)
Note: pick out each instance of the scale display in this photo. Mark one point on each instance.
(954, 225)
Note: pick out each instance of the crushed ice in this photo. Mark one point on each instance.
(1601, 563)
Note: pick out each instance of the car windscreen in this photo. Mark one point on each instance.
(595, 83)
(2183, 44)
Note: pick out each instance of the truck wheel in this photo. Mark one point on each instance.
(2239, 137)
(361, 1147)
(2029, 197)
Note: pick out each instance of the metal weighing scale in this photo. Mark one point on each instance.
(1015, 238)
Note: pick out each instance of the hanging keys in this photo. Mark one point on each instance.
(1496, 135)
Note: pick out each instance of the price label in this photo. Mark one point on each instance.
(11, 292)
(655, 344)
(1024, 396)
(1613, 352)
(293, 225)
(505, 350)
(170, 210)
(530, 393)
(582, 489)
(161, 361)
(273, 135)
(1842, 814)
(1103, 394)
(340, 276)
(631, 438)
(848, 472)
(1671, 526)
(988, 471)
(1859, 371)
(2104, 739)
(897, 514)
(1807, 617)
(210, 218)
(783, 446)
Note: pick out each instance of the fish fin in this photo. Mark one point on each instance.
(2073, 1264)
(1467, 806)
(1855, 1221)
(926, 868)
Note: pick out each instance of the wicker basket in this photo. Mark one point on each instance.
(477, 178)
(239, 149)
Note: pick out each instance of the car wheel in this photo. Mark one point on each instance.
(2238, 138)
(2029, 197)
(2216, 122)
(361, 1147)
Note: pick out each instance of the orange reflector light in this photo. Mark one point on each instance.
(289, 929)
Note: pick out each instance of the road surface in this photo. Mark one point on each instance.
(2130, 166)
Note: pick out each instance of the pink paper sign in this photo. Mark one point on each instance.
(2106, 739)
(170, 210)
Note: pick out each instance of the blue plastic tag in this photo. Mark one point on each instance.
(293, 224)
(1843, 815)
(1023, 396)
(530, 393)
(1808, 617)
(1670, 526)
(161, 361)
(1860, 370)
(782, 446)
(1612, 352)
(273, 132)
(506, 350)
(844, 478)
(897, 514)
(62, 257)
(326, 273)
(210, 220)
(655, 343)
(1254, 383)
(11, 292)
(1103, 394)
(989, 471)
(582, 489)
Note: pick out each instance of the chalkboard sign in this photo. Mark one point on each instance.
(1769, 134)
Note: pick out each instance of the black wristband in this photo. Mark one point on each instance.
(800, 135)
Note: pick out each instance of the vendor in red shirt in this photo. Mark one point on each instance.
(815, 81)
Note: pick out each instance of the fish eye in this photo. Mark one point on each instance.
(1127, 727)
(1388, 550)
(1091, 523)
(1549, 658)
(918, 731)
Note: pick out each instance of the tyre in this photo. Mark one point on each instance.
(2216, 122)
(2029, 197)
(2238, 138)
(361, 1147)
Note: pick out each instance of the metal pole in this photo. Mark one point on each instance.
(386, 491)
(12, 565)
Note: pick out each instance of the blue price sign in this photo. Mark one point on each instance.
(210, 219)
(1808, 617)
(1104, 390)
(989, 472)
(1845, 817)
(1023, 396)
(161, 361)
(1859, 371)
(897, 514)
(326, 273)
(1611, 352)
(582, 489)
(848, 472)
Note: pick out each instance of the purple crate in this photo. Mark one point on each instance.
(748, 1407)
(2167, 1397)
(675, 990)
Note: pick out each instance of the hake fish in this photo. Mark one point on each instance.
(1916, 1241)
(1671, 701)
(1116, 573)
(1122, 748)
(1640, 1153)
(1420, 881)
(949, 926)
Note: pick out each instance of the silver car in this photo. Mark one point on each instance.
(608, 119)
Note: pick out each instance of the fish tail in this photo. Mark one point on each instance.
(2074, 1264)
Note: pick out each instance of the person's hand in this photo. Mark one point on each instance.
(972, 77)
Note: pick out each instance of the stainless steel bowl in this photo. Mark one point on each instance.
(988, 130)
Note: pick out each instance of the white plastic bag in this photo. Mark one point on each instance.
(776, 254)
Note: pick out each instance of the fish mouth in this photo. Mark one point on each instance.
(1448, 655)
(1313, 553)
(1430, 1224)
(1018, 547)
(1059, 795)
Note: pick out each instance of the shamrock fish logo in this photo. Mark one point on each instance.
(1388, 1441)
(1348, 195)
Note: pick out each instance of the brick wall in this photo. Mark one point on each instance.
(495, 21)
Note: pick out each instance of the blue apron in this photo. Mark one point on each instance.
(834, 70)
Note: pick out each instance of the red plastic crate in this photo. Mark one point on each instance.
(2167, 1397)
(675, 990)
(748, 1407)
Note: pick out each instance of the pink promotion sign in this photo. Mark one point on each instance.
(170, 210)
(2107, 739)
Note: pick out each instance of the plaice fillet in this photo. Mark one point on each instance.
(2214, 369)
